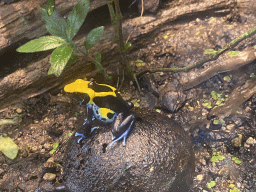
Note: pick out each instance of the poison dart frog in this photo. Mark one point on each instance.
(102, 102)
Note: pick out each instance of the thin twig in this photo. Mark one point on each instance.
(135, 28)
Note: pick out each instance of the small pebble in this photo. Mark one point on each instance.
(49, 177)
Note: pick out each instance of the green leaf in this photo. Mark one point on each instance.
(210, 51)
(207, 104)
(252, 75)
(136, 102)
(140, 63)
(128, 46)
(51, 6)
(218, 103)
(55, 145)
(52, 151)
(41, 44)
(59, 59)
(8, 147)
(216, 157)
(219, 95)
(216, 122)
(213, 94)
(72, 60)
(211, 184)
(227, 78)
(54, 24)
(98, 59)
(76, 18)
(237, 160)
(93, 37)
(232, 53)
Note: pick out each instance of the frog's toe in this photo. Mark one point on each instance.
(123, 136)
(94, 129)
(81, 135)
(85, 120)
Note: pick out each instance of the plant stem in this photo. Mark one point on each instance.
(92, 60)
(231, 45)
(116, 20)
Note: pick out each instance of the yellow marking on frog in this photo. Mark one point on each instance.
(103, 112)
(81, 86)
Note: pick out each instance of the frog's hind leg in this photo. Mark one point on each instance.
(124, 135)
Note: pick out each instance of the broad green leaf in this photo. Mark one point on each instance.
(76, 18)
(59, 59)
(210, 51)
(8, 147)
(54, 24)
(51, 6)
(41, 44)
(72, 59)
(93, 37)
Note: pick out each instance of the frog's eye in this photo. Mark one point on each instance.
(91, 84)
(110, 115)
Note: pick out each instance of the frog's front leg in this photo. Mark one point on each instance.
(87, 125)
(121, 128)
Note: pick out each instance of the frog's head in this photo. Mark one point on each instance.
(86, 91)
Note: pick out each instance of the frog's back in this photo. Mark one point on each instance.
(117, 104)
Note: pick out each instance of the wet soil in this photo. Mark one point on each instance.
(53, 117)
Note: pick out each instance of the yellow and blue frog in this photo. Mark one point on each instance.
(102, 102)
